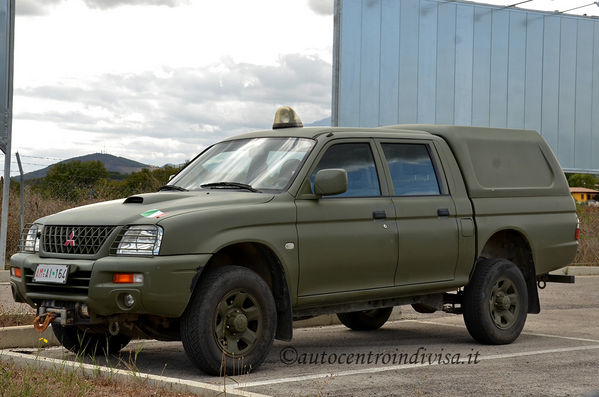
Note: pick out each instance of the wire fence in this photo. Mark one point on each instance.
(39, 204)
(588, 245)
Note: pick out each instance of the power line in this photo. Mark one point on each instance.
(22, 162)
(576, 8)
(42, 157)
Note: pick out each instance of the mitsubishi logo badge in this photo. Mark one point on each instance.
(70, 241)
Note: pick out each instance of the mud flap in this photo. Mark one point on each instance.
(534, 305)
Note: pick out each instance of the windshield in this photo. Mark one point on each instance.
(249, 164)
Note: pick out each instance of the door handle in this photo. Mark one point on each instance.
(443, 212)
(379, 215)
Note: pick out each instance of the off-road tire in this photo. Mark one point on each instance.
(495, 302)
(214, 308)
(365, 320)
(82, 341)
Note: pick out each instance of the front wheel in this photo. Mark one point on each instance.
(495, 302)
(83, 341)
(230, 322)
(365, 320)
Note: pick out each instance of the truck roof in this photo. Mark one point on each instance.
(495, 162)
(500, 162)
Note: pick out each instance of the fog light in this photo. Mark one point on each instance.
(84, 310)
(129, 300)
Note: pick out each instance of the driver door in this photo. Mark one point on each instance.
(348, 242)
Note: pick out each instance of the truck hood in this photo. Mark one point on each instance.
(151, 208)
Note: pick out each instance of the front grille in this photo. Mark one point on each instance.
(77, 284)
(75, 240)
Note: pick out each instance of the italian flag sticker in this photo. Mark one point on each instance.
(153, 214)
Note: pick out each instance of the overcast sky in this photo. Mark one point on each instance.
(158, 80)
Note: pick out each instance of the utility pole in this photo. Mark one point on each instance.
(7, 40)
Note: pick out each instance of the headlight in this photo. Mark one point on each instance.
(140, 240)
(30, 238)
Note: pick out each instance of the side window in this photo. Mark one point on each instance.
(357, 160)
(412, 169)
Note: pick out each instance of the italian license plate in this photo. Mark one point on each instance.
(51, 274)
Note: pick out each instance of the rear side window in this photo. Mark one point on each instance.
(357, 160)
(412, 169)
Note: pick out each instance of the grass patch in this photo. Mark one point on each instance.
(32, 381)
(15, 319)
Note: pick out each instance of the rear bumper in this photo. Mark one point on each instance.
(165, 290)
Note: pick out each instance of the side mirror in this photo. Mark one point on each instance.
(330, 182)
(171, 177)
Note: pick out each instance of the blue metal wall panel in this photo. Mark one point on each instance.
(427, 61)
(584, 96)
(567, 91)
(550, 99)
(349, 73)
(533, 91)
(370, 62)
(433, 61)
(389, 71)
(595, 101)
(481, 68)
(463, 65)
(499, 68)
(516, 70)
(446, 53)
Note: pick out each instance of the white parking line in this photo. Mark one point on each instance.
(402, 366)
(164, 381)
(523, 333)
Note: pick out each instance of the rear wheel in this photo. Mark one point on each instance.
(83, 341)
(495, 302)
(365, 320)
(230, 322)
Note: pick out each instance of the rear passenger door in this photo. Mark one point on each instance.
(427, 225)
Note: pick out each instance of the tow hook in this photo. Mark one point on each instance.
(39, 325)
(543, 279)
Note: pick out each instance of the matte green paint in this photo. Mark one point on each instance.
(332, 250)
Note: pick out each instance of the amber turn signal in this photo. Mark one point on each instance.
(127, 278)
(16, 271)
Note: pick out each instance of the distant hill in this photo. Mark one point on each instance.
(326, 122)
(112, 163)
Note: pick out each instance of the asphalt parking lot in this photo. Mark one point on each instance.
(557, 354)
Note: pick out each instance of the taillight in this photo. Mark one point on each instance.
(577, 232)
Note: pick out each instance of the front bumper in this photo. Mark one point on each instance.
(165, 290)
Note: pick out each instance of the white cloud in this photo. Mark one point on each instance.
(157, 80)
(321, 7)
(193, 106)
(35, 7)
(105, 4)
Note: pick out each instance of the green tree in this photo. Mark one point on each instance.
(583, 180)
(73, 180)
(146, 180)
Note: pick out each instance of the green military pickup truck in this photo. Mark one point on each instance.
(273, 226)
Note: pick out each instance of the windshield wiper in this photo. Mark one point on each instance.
(230, 184)
(172, 187)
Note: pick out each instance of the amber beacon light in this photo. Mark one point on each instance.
(286, 118)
